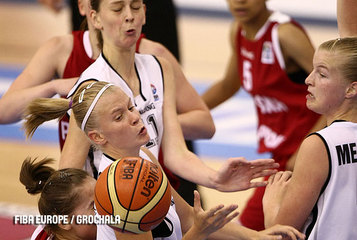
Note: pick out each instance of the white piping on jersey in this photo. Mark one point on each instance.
(280, 18)
(86, 44)
(276, 46)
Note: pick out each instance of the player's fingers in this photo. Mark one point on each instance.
(286, 175)
(263, 173)
(213, 210)
(258, 184)
(260, 162)
(196, 201)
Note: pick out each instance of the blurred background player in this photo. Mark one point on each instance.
(270, 57)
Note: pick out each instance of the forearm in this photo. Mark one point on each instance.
(197, 124)
(217, 94)
(346, 19)
(234, 231)
(188, 166)
(76, 147)
(19, 99)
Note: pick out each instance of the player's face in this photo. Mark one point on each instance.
(119, 122)
(326, 87)
(85, 208)
(120, 21)
(246, 11)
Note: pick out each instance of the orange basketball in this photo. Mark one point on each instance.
(136, 190)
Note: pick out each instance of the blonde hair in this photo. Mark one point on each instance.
(346, 49)
(45, 109)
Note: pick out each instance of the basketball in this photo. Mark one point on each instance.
(136, 190)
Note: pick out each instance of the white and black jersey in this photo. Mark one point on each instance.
(335, 214)
(150, 100)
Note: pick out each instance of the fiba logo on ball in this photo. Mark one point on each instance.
(136, 190)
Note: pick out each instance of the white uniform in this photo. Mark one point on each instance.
(169, 229)
(335, 214)
(150, 100)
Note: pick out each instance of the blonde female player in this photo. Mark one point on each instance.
(114, 125)
(322, 190)
(142, 77)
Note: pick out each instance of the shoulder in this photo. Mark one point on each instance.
(291, 34)
(60, 44)
(151, 47)
(313, 147)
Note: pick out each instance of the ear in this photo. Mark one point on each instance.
(95, 18)
(96, 137)
(352, 90)
(66, 227)
(81, 7)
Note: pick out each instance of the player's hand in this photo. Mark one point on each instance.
(278, 232)
(207, 222)
(273, 195)
(63, 86)
(237, 174)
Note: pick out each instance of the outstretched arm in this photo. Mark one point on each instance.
(36, 79)
(232, 176)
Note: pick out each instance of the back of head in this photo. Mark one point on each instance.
(58, 188)
(345, 50)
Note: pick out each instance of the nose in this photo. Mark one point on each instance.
(135, 117)
(129, 17)
(308, 80)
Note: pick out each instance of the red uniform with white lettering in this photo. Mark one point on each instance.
(283, 118)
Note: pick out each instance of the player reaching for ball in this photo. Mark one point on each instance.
(114, 126)
(150, 82)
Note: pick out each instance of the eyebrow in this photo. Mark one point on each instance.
(118, 109)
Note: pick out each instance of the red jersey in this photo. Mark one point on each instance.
(77, 62)
(283, 118)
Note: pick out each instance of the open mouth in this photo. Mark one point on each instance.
(142, 130)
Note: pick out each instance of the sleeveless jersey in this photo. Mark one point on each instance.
(168, 229)
(41, 234)
(334, 214)
(77, 62)
(279, 102)
(150, 100)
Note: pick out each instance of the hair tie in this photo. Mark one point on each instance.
(70, 104)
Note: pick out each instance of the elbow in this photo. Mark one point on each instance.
(7, 117)
(209, 127)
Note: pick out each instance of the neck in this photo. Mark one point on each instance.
(347, 113)
(251, 28)
(119, 153)
(123, 61)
